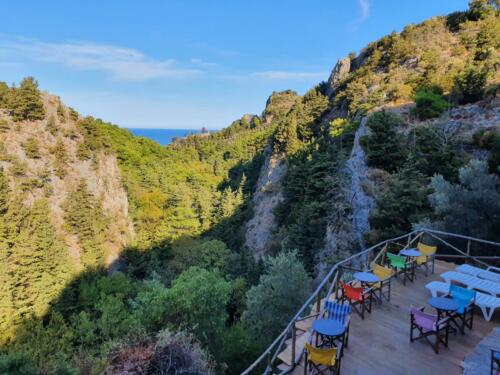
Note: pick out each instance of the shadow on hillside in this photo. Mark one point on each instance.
(100, 299)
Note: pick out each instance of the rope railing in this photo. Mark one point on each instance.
(270, 354)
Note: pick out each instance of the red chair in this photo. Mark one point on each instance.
(359, 298)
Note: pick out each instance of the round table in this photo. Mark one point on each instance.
(411, 253)
(366, 277)
(444, 307)
(329, 330)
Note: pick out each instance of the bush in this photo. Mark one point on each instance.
(470, 84)
(198, 300)
(31, 148)
(280, 292)
(429, 103)
(470, 207)
(16, 364)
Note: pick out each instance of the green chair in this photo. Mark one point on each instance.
(401, 266)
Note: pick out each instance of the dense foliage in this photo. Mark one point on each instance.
(185, 284)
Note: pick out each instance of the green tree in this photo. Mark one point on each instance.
(60, 158)
(198, 299)
(25, 102)
(402, 202)
(384, 146)
(429, 103)
(37, 257)
(283, 288)
(471, 206)
(84, 218)
(470, 84)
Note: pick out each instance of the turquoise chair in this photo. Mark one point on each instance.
(465, 298)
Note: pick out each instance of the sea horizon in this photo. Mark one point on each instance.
(163, 136)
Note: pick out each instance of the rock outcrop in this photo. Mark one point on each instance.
(339, 72)
(350, 223)
(261, 229)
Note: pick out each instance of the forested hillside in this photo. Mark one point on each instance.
(118, 254)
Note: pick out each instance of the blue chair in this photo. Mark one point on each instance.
(465, 298)
(342, 313)
(495, 361)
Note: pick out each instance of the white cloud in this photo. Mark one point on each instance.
(364, 8)
(124, 64)
(287, 75)
(202, 63)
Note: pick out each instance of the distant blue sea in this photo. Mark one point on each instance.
(162, 136)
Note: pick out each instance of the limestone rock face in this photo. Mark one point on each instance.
(261, 229)
(346, 230)
(339, 72)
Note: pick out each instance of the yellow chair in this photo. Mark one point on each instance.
(428, 252)
(384, 274)
(318, 358)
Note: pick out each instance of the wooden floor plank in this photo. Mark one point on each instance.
(380, 343)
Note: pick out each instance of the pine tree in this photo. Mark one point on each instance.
(61, 158)
(25, 102)
(84, 217)
(37, 259)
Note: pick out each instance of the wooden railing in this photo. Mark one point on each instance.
(312, 307)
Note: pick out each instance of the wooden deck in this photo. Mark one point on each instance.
(380, 343)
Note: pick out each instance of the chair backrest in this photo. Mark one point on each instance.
(337, 311)
(351, 292)
(424, 320)
(325, 357)
(462, 294)
(396, 260)
(426, 249)
(381, 271)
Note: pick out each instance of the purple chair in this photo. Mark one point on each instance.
(427, 325)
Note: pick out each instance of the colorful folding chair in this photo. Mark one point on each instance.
(428, 325)
(319, 361)
(342, 313)
(427, 258)
(401, 266)
(384, 285)
(465, 299)
(359, 298)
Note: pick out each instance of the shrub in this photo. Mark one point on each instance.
(470, 84)
(281, 291)
(429, 103)
(16, 364)
(470, 207)
(4, 125)
(198, 300)
(31, 148)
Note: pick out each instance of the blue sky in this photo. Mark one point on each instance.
(189, 63)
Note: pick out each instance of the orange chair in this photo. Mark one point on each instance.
(359, 298)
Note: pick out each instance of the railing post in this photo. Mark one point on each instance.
(294, 338)
(318, 302)
(468, 251)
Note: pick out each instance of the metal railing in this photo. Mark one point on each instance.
(266, 362)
